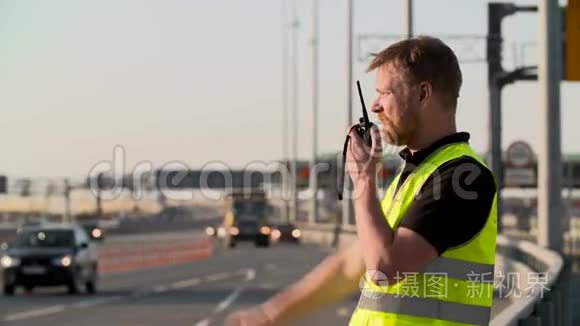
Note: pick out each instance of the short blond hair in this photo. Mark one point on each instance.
(424, 58)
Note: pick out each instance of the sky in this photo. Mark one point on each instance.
(200, 81)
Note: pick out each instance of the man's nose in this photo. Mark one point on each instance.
(376, 107)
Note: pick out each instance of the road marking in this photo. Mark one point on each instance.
(218, 276)
(204, 322)
(270, 267)
(266, 286)
(95, 302)
(250, 274)
(229, 300)
(185, 284)
(342, 312)
(35, 313)
(159, 289)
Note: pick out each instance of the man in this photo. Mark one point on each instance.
(428, 248)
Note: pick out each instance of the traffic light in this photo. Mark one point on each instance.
(302, 174)
(572, 52)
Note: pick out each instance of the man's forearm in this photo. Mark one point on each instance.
(374, 232)
(331, 281)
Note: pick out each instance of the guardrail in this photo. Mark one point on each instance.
(535, 308)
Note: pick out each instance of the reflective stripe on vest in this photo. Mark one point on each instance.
(426, 307)
(459, 269)
(463, 293)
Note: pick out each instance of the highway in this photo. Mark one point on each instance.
(198, 293)
(177, 278)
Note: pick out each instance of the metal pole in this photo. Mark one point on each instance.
(495, 140)
(67, 210)
(408, 18)
(496, 12)
(49, 193)
(313, 171)
(294, 201)
(549, 162)
(99, 210)
(347, 207)
(284, 175)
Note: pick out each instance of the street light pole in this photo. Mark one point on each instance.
(549, 155)
(408, 18)
(293, 163)
(284, 175)
(313, 170)
(347, 207)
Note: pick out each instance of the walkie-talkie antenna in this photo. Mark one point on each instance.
(362, 101)
(363, 129)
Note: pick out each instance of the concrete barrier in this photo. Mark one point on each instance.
(121, 253)
(143, 255)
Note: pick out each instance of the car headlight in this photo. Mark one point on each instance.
(97, 233)
(64, 261)
(265, 230)
(7, 261)
(296, 233)
(234, 231)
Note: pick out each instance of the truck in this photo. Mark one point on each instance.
(247, 218)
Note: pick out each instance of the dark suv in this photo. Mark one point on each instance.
(49, 256)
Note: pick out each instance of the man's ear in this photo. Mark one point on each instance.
(425, 91)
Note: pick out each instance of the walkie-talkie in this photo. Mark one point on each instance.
(363, 129)
(364, 125)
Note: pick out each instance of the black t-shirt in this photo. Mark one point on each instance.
(454, 202)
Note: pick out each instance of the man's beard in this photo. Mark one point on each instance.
(391, 136)
(400, 134)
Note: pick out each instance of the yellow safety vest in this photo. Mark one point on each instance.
(456, 288)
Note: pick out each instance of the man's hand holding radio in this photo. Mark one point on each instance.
(362, 160)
